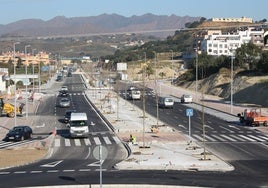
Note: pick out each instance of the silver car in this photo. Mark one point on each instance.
(65, 102)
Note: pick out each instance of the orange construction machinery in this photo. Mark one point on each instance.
(253, 117)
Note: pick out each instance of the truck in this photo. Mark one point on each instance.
(253, 117)
(165, 102)
(78, 125)
(9, 109)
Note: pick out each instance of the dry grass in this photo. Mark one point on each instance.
(17, 157)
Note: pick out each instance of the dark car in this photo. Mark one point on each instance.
(67, 115)
(63, 93)
(19, 133)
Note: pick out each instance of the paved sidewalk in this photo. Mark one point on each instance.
(164, 149)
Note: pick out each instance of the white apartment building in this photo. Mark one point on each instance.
(215, 43)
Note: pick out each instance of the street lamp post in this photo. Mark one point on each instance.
(26, 72)
(15, 81)
(33, 68)
(143, 100)
(232, 72)
(196, 72)
(232, 75)
(172, 67)
(39, 74)
(156, 89)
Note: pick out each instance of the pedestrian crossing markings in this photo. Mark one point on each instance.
(86, 141)
(231, 138)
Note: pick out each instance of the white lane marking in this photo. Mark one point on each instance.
(97, 163)
(69, 170)
(53, 171)
(97, 140)
(228, 138)
(84, 170)
(77, 142)
(35, 172)
(227, 129)
(218, 138)
(237, 138)
(67, 142)
(57, 142)
(20, 172)
(256, 138)
(264, 137)
(116, 139)
(87, 141)
(247, 138)
(52, 164)
(107, 140)
(210, 138)
(4, 172)
(198, 137)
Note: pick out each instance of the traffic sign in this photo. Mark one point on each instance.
(100, 152)
(189, 112)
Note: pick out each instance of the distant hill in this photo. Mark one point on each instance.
(105, 23)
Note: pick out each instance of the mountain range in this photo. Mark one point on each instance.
(105, 23)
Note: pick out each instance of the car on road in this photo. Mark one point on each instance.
(19, 133)
(67, 115)
(186, 98)
(63, 93)
(64, 88)
(65, 102)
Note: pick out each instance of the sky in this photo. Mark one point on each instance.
(15, 10)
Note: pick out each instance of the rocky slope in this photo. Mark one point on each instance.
(246, 88)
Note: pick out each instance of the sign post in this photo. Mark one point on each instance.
(189, 113)
(100, 153)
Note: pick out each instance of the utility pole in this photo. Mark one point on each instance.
(156, 90)
(143, 101)
(26, 72)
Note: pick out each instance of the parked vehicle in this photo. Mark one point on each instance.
(9, 109)
(165, 102)
(65, 102)
(253, 117)
(19, 133)
(78, 125)
(185, 98)
(67, 115)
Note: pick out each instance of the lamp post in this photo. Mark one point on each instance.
(15, 105)
(26, 72)
(156, 89)
(33, 68)
(172, 67)
(232, 72)
(232, 75)
(143, 100)
(39, 74)
(196, 72)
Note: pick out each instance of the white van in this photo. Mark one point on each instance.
(78, 125)
(165, 102)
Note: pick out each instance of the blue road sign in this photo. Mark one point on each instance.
(189, 112)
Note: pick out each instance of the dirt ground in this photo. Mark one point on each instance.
(22, 156)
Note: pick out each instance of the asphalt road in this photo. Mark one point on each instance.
(71, 161)
(244, 147)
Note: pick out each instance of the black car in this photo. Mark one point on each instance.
(67, 115)
(63, 93)
(19, 133)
